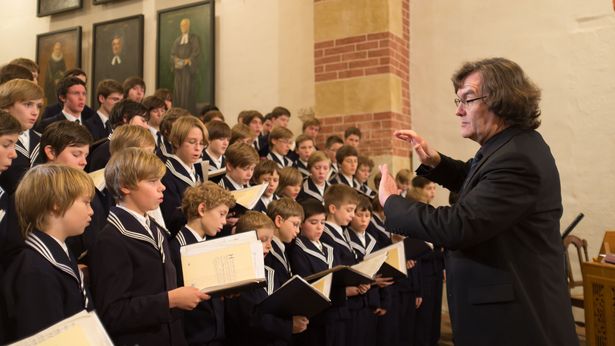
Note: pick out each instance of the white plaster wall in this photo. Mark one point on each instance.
(567, 48)
(264, 48)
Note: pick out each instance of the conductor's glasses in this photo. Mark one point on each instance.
(466, 103)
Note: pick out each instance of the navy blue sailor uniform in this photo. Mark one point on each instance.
(100, 154)
(131, 273)
(176, 180)
(213, 164)
(281, 161)
(339, 178)
(42, 286)
(261, 144)
(97, 128)
(249, 326)
(164, 149)
(229, 185)
(398, 325)
(310, 190)
(263, 203)
(26, 159)
(306, 259)
(278, 261)
(367, 191)
(388, 325)
(204, 325)
(302, 168)
(333, 235)
(361, 330)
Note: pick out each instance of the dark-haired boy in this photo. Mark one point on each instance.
(219, 137)
(108, 93)
(332, 144)
(279, 145)
(134, 88)
(352, 136)
(364, 169)
(304, 147)
(266, 171)
(72, 94)
(123, 112)
(347, 159)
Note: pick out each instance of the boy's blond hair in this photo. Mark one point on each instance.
(182, 126)
(19, 90)
(241, 155)
(340, 194)
(252, 221)
(317, 156)
(130, 136)
(240, 132)
(279, 133)
(289, 176)
(404, 176)
(130, 166)
(46, 189)
(210, 194)
(284, 207)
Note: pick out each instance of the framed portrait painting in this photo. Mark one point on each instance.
(49, 7)
(118, 50)
(57, 52)
(185, 54)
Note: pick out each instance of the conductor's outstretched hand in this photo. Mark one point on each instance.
(424, 152)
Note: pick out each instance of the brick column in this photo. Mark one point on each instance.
(361, 53)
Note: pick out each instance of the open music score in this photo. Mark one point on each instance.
(226, 264)
(83, 328)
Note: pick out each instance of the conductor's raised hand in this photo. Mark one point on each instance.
(387, 186)
(425, 153)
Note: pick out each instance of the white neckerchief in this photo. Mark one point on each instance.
(195, 234)
(62, 245)
(337, 228)
(116, 60)
(141, 218)
(102, 117)
(303, 162)
(72, 118)
(217, 162)
(317, 243)
(266, 200)
(280, 157)
(156, 214)
(24, 138)
(154, 133)
(235, 184)
(349, 179)
(361, 237)
(189, 169)
(321, 187)
(184, 39)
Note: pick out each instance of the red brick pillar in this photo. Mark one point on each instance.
(361, 56)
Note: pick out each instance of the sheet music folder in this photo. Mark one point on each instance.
(395, 264)
(361, 273)
(224, 265)
(299, 298)
(83, 328)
